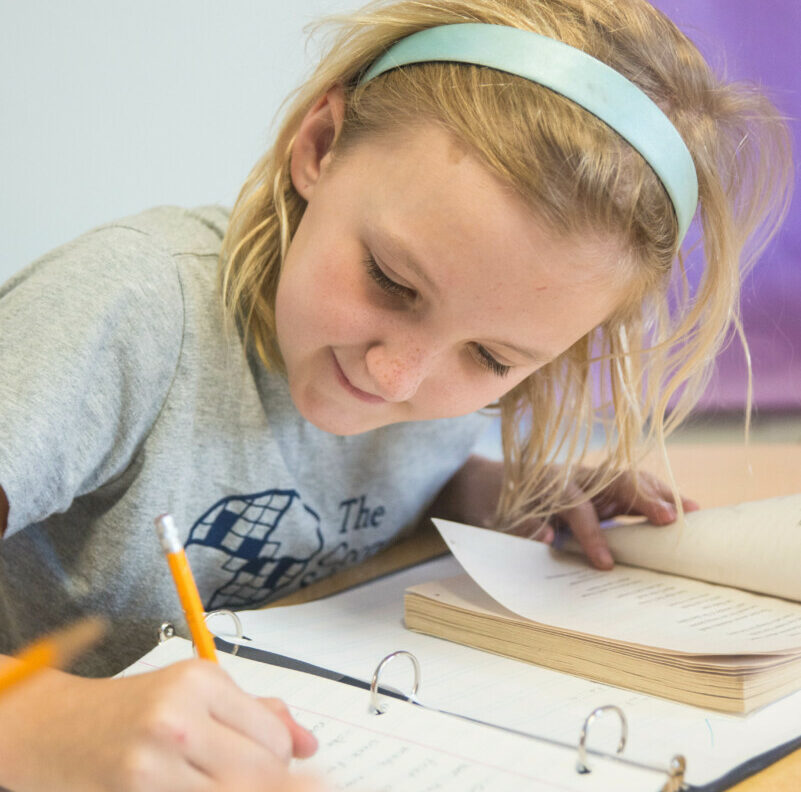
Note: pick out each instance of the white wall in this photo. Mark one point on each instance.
(108, 107)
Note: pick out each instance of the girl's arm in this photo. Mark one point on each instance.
(473, 492)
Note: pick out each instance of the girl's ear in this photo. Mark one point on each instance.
(311, 150)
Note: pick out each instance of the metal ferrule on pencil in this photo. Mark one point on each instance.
(168, 533)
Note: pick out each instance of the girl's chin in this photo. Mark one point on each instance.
(343, 427)
(332, 418)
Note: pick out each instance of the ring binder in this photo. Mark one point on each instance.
(674, 771)
(582, 765)
(673, 774)
(378, 709)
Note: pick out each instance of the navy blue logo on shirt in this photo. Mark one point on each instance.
(252, 533)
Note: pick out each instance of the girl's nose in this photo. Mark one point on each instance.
(397, 369)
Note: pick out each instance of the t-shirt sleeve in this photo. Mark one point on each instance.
(90, 337)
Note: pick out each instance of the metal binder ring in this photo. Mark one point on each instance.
(237, 625)
(167, 630)
(376, 708)
(582, 765)
(675, 782)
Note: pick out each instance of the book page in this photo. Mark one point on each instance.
(408, 747)
(350, 632)
(628, 604)
(753, 546)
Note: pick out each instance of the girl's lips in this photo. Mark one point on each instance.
(364, 396)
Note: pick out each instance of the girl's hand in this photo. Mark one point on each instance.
(643, 495)
(185, 727)
(470, 497)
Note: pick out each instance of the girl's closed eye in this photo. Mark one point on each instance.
(480, 353)
(485, 359)
(386, 283)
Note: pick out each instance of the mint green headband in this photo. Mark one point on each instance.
(588, 82)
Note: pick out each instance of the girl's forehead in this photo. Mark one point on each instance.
(429, 198)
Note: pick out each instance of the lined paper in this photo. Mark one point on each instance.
(407, 747)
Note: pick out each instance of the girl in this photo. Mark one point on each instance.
(486, 214)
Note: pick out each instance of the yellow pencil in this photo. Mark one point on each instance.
(56, 650)
(185, 584)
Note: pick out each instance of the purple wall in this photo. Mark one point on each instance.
(758, 41)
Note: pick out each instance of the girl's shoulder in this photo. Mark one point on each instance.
(138, 259)
(149, 239)
(174, 230)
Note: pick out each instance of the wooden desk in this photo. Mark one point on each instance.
(717, 475)
(714, 475)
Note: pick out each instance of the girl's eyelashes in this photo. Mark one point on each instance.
(385, 282)
(489, 362)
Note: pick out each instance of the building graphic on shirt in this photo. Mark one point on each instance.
(265, 541)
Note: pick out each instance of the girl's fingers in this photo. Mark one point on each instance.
(656, 502)
(585, 526)
(234, 760)
(690, 505)
(646, 495)
(248, 717)
(304, 743)
(546, 534)
(229, 738)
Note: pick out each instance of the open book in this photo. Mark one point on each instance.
(678, 617)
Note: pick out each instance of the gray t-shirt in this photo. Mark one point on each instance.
(124, 394)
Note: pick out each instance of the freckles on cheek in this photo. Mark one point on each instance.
(454, 397)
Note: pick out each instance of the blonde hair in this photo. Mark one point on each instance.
(653, 357)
